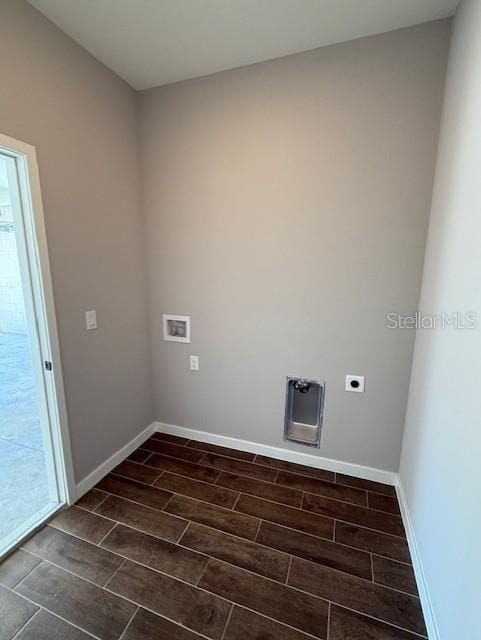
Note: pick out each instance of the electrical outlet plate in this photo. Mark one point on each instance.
(194, 363)
(355, 383)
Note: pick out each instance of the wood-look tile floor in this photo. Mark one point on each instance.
(186, 540)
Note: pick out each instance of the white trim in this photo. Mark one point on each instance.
(426, 602)
(119, 456)
(348, 468)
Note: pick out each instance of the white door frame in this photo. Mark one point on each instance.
(40, 309)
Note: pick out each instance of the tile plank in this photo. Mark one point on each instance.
(14, 613)
(148, 626)
(383, 503)
(167, 437)
(261, 489)
(131, 490)
(278, 601)
(348, 625)
(292, 467)
(322, 488)
(180, 602)
(72, 554)
(241, 553)
(136, 471)
(248, 469)
(199, 490)
(147, 519)
(82, 524)
(222, 451)
(173, 450)
(213, 516)
(139, 455)
(324, 552)
(286, 516)
(183, 468)
(355, 593)
(91, 499)
(45, 626)
(16, 566)
(374, 541)
(77, 601)
(155, 553)
(368, 485)
(394, 574)
(245, 624)
(377, 520)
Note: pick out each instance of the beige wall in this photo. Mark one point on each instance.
(82, 120)
(286, 208)
(440, 465)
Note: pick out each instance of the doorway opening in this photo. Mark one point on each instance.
(36, 477)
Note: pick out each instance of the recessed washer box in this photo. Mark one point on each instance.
(304, 409)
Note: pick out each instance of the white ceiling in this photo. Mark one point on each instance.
(155, 42)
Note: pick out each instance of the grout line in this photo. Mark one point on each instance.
(99, 543)
(183, 534)
(388, 624)
(163, 510)
(30, 572)
(129, 623)
(236, 501)
(289, 570)
(328, 630)
(104, 498)
(258, 529)
(26, 623)
(105, 586)
(227, 622)
(185, 477)
(147, 458)
(372, 568)
(54, 615)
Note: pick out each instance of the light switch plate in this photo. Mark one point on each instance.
(91, 319)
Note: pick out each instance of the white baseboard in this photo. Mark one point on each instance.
(426, 602)
(106, 467)
(348, 468)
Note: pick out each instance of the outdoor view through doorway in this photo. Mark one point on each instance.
(28, 486)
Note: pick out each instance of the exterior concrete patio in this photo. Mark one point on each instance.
(23, 477)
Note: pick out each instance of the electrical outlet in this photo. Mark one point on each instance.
(355, 383)
(194, 363)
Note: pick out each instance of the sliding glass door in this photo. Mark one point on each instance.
(34, 478)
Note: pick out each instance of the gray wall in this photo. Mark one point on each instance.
(82, 120)
(440, 465)
(286, 211)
